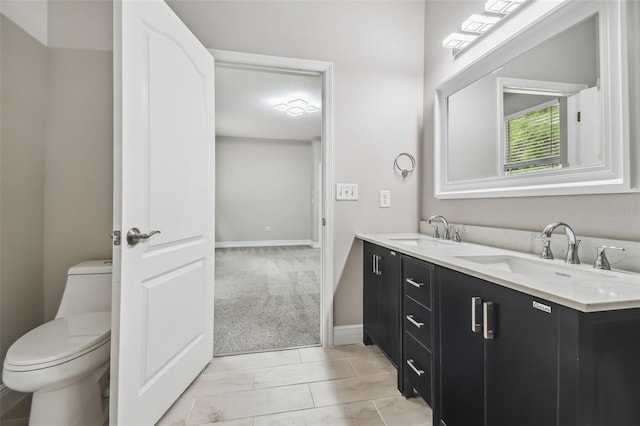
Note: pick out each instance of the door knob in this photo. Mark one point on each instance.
(134, 236)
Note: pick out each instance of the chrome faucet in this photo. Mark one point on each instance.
(447, 230)
(572, 247)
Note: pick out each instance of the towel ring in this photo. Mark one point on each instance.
(405, 172)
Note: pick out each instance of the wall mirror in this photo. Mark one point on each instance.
(544, 113)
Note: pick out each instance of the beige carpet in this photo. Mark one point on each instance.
(266, 298)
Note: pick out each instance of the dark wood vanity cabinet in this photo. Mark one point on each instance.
(498, 354)
(382, 300)
(530, 361)
(418, 328)
(482, 354)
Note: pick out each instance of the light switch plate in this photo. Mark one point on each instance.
(346, 191)
(385, 198)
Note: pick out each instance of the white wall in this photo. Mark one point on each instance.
(377, 51)
(263, 183)
(615, 216)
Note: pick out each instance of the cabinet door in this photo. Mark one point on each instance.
(461, 352)
(370, 295)
(521, 367)
(389, 325)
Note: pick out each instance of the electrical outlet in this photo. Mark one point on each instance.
(267, 228)
(385, 198)
(346, 191)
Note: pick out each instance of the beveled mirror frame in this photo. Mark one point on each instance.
(534, 25)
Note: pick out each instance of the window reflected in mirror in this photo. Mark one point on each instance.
(540, 112)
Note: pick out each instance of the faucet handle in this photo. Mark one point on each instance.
(546, 247)
(601, 261)
(457, 235)
(436, 233)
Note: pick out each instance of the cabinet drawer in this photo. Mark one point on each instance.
(417, 321)
(417, 367)
(417, 281)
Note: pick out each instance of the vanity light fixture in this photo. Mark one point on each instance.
(479, 23)
(458, 40)
(502, 6)
(296, 107)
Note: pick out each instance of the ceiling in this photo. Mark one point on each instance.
(245, 97)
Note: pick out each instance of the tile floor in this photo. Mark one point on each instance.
(342, 386)
(351, 385)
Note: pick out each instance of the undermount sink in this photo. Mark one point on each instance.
(535, 268)
(407, 241)
(419, 241)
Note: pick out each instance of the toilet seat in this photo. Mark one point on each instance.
(59, 341)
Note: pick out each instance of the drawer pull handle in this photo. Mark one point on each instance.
(413, 367)
(413, 283)
(414, 322)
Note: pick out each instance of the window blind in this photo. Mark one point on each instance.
(532, 139)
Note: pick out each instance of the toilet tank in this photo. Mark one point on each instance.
(88, 288)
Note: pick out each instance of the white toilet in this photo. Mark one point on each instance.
(65, 362)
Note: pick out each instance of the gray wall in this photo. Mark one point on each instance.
(377, 51)
(22, 152)
(260, 183)
(56, 171)
(79, 164)
(614, 216)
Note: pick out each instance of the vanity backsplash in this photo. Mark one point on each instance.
(528, 242)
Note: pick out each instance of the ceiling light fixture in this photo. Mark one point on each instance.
(296, 107)
(479, 23)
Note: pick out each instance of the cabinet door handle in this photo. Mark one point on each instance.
(489, 318)
(378, 271)
(476, 324)
(414, 322)
(413, 367)
(375, 259)
(413, 283)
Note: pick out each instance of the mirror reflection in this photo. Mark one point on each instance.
(538, 113)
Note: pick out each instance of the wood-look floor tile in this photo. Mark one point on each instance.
(337, 352)
(178, 414)
(216, 384)
(252, 361)
(353, 414)
(251, 403)
(352, 389)
(238, 422)
(400, 411)
(302, 373)
(370, 365)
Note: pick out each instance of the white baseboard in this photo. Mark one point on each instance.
(347, 334)
(9, 398)
(267, 243)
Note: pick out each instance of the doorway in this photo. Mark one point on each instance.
(272, 147)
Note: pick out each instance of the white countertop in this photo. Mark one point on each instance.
(577, 286)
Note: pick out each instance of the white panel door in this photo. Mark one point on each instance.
(164, 180)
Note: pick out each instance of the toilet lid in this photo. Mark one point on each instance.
(60, 340)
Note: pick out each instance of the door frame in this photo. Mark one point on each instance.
(325, 69)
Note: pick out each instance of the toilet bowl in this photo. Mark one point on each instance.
(64, 361)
